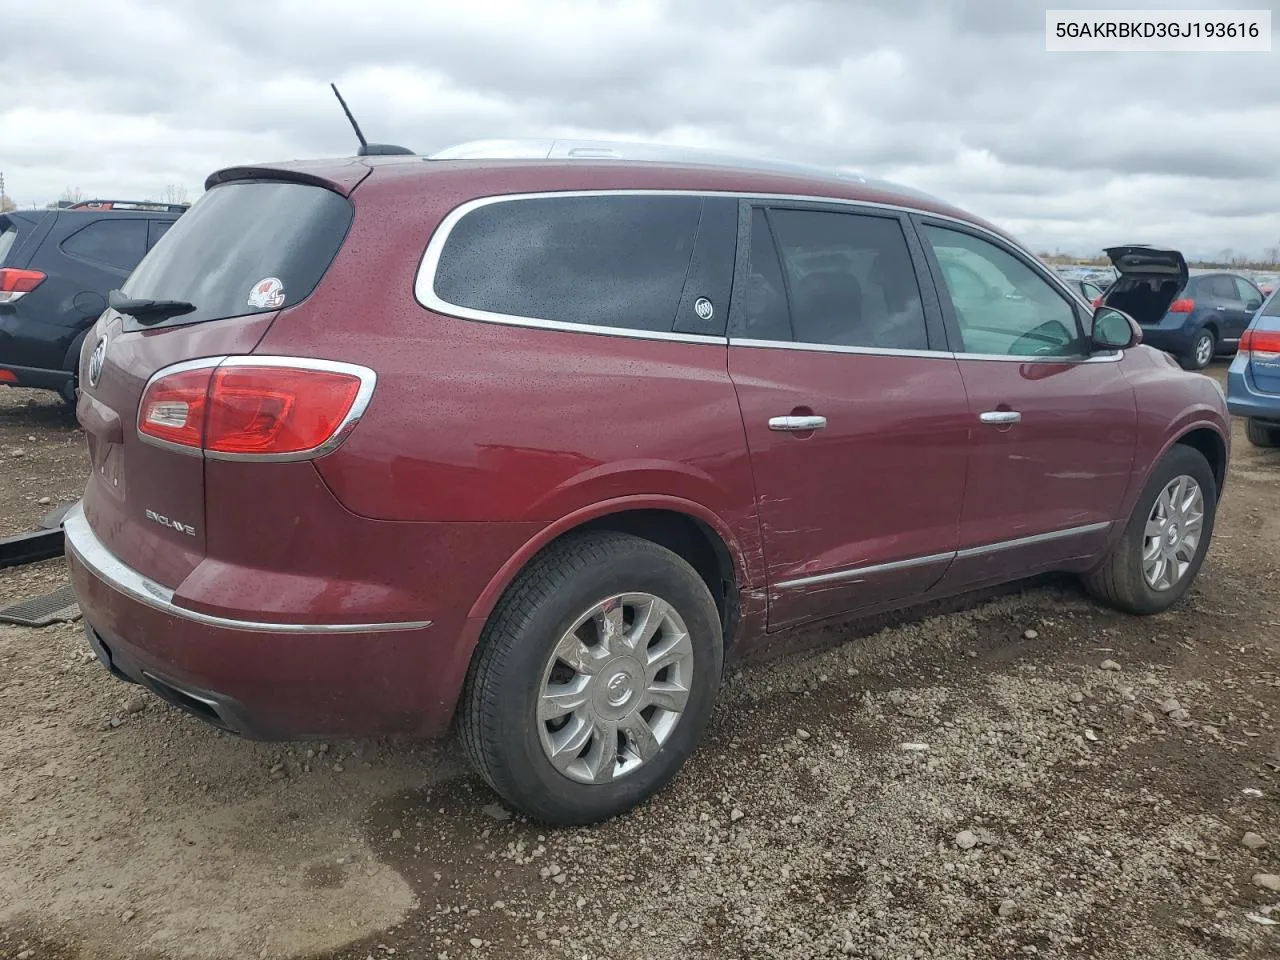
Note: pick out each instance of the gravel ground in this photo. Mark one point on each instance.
(1027, 774)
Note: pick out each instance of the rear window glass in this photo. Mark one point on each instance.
(605, 261)
(8, 235)
(245, 248)
(1272, 307)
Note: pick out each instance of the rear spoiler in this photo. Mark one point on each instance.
(341, 177)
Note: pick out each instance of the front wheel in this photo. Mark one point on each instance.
(594, 679)
(1165, 539)
(1202, 352)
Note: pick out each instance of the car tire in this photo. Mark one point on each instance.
(1122, 579)
(1203, 349)
(1262, 434)
(505, 717)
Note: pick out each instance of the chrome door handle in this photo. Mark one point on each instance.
(1000, 416)
(797, 424)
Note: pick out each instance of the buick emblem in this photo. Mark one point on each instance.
(703, 308)
(95, 362)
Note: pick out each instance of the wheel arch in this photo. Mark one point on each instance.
(1209, 443)
(688, 529)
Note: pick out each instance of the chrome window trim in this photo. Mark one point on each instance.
(368, 380)
(1111, 357)
(855, 573)
(119, 576)
(424, 281)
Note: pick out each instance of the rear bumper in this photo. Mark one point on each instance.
(37, 378)
(265, 680)
(1244, 399)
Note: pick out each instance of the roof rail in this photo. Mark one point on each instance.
(153, 205)
(562, 149)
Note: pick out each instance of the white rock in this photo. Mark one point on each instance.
(736, 815)
(1109, 665)
(1254, 842)
(1170, 706)
(1267, 881)
(1007, 908)
(915, 747)
(802, 734)
(1030, 634)
(966, 840)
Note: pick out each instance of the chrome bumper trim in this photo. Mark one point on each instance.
(90, 551)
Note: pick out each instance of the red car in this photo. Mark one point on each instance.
(532, 446)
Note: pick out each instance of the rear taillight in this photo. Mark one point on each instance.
(16, 284)
(1185, 305)
(271, 408)
(1260, 342)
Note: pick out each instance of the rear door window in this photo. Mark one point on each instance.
(1220, 287)
(118, 243)
(605, 261)
(849, 280)
(245, 247)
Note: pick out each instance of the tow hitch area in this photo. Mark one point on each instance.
(43, 544)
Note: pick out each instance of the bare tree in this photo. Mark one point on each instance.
(71, 195)
(6, 204)
(173, 193)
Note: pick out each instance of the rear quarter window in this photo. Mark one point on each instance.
(8, 234)
(236, 238)
(1272, 307)
(605, 261)
(117, 243)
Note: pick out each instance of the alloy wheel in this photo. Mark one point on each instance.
(1172, 534)
(614, 688)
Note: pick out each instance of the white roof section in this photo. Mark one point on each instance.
(561, 149)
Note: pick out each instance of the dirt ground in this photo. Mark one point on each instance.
(964, 783)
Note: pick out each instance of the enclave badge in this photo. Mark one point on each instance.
(95, 362)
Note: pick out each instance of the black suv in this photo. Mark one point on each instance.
(56, 269)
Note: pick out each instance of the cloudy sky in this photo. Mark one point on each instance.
(956, 97)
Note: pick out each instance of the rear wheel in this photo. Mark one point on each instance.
(1166, 538)
(593, 680)
(1262, 434)
(1202, 352)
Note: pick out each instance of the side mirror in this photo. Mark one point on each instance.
(1114, 330)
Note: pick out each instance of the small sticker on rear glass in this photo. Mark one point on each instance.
(267, 293)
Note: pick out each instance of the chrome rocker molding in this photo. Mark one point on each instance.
(857, 573)
(424, 286)
(122, 578)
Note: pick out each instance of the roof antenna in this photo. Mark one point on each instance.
(368, 149)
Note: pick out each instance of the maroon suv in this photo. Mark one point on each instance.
(534, 445)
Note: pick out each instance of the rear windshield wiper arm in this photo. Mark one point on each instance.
(147, 312)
